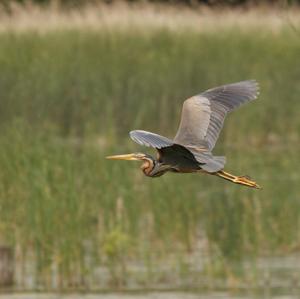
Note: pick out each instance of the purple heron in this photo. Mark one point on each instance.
(202, 119)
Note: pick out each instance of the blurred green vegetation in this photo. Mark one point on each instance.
(69, 98)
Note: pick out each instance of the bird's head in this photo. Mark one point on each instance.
(148, 161)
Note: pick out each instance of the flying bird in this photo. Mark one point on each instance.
(190, 151)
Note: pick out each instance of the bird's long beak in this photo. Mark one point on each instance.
(130, 157)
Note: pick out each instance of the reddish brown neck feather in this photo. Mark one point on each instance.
(147, 166)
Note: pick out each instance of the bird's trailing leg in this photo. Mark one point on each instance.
(242, 180)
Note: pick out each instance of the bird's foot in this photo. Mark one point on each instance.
(247, 181)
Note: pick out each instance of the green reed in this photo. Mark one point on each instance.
(69, 98)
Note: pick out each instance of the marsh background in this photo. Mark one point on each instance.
(75, 81)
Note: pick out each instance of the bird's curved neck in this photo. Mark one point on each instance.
(153, 168)
(148, 165)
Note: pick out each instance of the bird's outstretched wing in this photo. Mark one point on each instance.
(203, 115)
(202, 119)
(150, 139)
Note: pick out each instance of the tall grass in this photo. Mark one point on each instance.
(69, 98)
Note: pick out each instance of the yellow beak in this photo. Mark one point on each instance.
(130, 157)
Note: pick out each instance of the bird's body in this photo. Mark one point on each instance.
(201, 122)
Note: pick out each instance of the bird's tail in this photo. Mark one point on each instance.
(242, 180)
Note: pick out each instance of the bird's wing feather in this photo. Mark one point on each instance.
(203, 115)
(150, 139)
(210, 163)
(195, 120)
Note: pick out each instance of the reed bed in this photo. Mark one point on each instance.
(69, 98)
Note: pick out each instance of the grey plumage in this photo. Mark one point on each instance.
(202, 119)
(150, 139)
(203, 115)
